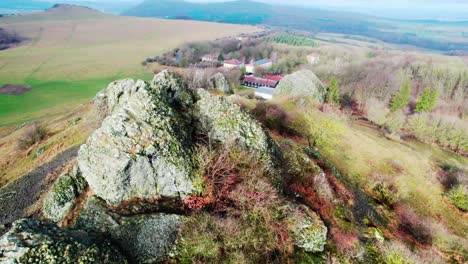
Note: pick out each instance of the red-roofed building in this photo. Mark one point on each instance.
(273, 77)
(255, 82)
(230, 64)
(313, 58)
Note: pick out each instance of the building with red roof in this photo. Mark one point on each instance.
(273, 77)
(255, 82)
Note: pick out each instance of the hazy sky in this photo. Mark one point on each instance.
(405, 9)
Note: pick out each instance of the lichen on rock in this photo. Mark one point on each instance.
(145, 238)
(32, 241)
(220, 83)
(143, 148)
(308, 230)
(227, 123)
(61, 198)
(302, 83)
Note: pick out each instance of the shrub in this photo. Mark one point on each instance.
(274, 117)
(459, 197)
(376, 111)
(402, 98)
(452, 176)
(446, 131)
(387, 194)
(395, 122)
(34, 134)
(321, 131)
(413, 225)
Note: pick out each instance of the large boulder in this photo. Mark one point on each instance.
(302, 83)
(143, 148)
(220, 83)
(144, 238)
(227, 123)
(32, 241)
(62, 197)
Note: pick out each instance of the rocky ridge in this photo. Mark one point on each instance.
(139, 165)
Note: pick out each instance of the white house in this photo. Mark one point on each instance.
(265, 92)
(232, 64)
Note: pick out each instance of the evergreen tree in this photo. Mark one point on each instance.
(333, 96)
(433, 99)
(402, 98)
(424, 101)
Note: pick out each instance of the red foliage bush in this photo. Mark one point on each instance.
(415, 226)
(274, 117)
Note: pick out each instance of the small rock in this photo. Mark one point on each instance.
(220, 83)
(32, 241)
(309, 231)
(62, 197)
(144, 238)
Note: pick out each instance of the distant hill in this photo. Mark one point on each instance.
(312, 20)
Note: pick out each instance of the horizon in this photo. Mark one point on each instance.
(452, 10)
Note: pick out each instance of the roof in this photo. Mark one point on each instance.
(273, 77)
(265, 90)
(234, 62)
(261, 81)
(261, 62)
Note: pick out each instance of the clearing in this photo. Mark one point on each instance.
(73, 52)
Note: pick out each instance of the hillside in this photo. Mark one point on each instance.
(74, 51)
(436, 35)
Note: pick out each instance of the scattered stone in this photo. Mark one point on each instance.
(146, 238)
(302, 83)
(60, 200)
(32, 241)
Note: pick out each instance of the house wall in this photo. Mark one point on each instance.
(264, 95)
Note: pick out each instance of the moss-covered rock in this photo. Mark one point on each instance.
(220, 83)
(303, 83)
(32, 241)
(62, 197)
(146, 238)
(308, 230)
(227, 123)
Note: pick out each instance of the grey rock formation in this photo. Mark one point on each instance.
(302, 83)
(220, 83)
(144, 238)
(32, 241)
(308, 230)
(142, 149)
(173, 89)
(225, 122)
(62, 197)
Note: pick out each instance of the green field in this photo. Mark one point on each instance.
(74, 52)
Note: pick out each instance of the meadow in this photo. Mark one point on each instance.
(72, 52)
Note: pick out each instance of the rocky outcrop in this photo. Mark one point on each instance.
(226, 123)
(144, 238)
(220, 83)
(302, 83)
(61, 198)
(309, 231)
(31, 241)
(143, 148)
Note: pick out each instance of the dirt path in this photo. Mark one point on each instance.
(24, 192)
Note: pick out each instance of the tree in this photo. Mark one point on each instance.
(333, 96)
(220, 57)
(402, 98)
(428, 100)
(433, 99)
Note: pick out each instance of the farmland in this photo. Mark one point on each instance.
(73, 52)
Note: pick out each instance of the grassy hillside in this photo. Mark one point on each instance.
(73, 52)
(444, 36)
